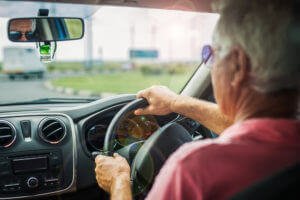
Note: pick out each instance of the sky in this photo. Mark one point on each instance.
(112, 31)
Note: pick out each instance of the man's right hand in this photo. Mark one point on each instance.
(160, 99)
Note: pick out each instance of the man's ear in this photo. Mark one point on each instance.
(240, 67)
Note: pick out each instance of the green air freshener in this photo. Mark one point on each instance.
(45, 53)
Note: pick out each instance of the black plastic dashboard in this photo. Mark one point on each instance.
(52, 144)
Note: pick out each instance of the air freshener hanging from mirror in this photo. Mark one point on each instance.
(45, 53)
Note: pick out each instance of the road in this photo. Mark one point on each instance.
(26, 90)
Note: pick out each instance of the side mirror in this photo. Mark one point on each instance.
(45, 29)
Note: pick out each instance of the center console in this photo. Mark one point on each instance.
(36, 157)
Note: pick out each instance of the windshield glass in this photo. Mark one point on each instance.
(124, 50)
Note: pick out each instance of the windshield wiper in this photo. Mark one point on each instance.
(53, 101)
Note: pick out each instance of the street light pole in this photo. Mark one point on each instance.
(88, 44)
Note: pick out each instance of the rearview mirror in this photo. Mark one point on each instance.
(45, 29)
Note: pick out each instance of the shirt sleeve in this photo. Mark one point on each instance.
(176, 182)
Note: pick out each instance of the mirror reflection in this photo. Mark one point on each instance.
(45, 29)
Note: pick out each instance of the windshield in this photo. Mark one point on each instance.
(124, 50)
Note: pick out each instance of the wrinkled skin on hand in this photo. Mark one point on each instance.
(109, 169)
(160, 100)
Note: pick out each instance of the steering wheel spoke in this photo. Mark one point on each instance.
(130, 151)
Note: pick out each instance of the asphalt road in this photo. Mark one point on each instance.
(30, 89)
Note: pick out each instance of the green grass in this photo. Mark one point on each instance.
(79, 66)
(64, 66)
(121, 83)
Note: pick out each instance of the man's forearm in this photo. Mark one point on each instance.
(204, 112)
(121, 189)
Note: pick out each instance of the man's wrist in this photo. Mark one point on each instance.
(120, 188)
(121, 180)
(173, 103)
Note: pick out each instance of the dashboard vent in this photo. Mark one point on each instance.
(52, 130)
(7, 134)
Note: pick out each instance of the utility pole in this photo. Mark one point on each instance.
(88, 44)
(153, 36)
(132, 44)
(53, 10)
(170, 50)
(132, 36)
(193, 38)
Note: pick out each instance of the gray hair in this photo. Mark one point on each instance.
(262, 28)
(33, 24)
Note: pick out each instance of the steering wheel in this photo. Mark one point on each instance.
(149, 156)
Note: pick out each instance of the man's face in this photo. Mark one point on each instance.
(21, 26)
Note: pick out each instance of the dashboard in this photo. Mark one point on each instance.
(37, 155)
(45, 150)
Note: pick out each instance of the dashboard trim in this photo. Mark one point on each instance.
(72, 186)
(49, 118)
(15, 132)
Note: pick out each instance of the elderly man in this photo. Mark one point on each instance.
(255, 77)
(22, 30)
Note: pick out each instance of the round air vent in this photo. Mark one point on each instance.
(7, 134)
(52, 130)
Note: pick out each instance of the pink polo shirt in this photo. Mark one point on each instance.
(219, 168)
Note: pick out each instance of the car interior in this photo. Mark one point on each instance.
(47, 150)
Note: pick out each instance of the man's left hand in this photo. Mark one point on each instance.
(108, 169)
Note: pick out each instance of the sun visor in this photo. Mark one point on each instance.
(185, 5)
(30, 9)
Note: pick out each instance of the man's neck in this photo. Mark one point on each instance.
(256, 105)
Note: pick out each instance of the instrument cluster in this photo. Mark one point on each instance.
(132, 128)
